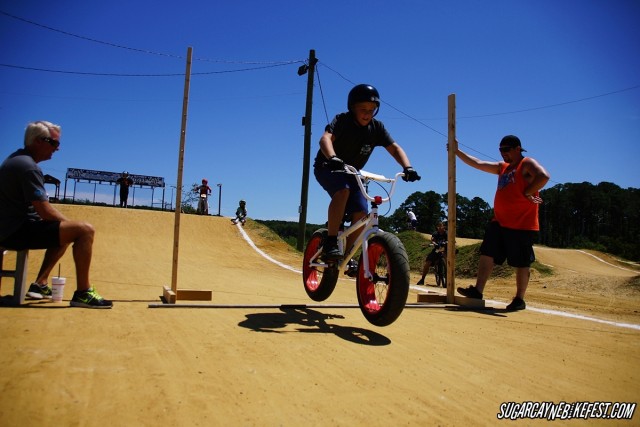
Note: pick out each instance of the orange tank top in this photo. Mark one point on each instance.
(510, 206)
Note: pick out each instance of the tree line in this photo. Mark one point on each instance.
(603, 217)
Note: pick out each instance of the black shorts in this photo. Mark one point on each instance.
(34, 235)
(516, 246)
(334, 182)
(433, 256)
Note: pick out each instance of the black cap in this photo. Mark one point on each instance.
(511, 141)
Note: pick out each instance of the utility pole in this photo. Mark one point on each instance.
(309, 69)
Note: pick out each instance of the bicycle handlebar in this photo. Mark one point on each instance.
(364, 176)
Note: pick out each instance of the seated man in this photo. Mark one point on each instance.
(29, 221)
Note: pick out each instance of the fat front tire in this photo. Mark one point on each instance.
(383, 297)
(319, 282)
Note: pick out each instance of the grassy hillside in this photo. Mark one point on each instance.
(417, 246)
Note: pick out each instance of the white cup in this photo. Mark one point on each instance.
(57, 288)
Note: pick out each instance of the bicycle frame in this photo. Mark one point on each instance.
(368, 224)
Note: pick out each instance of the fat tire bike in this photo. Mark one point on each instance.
(382, 277)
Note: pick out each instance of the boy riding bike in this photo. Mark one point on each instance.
(350, 138)
(438, 238)
(241, 213)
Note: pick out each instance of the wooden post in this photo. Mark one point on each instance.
(172, 294)
(452, 217)
(183, 134)
(451, 200)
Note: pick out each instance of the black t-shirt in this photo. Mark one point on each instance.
(354, 143)
(21, 183)
(439, 238)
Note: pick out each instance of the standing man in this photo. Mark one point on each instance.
(29, 221)
(511, 233)
(125, 182)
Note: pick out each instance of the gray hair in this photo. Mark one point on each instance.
(39, 129)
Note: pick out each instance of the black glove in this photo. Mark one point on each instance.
(335, 164)
(410, 174)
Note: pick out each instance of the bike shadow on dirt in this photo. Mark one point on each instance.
(310, 321)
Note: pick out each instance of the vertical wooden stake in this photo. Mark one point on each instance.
(183, 134)
(451, 200)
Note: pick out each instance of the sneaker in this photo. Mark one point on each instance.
(470, 292)
(352, 268)
(517, 304)
(332, 252)
(37, 291)
(89, 299)
(420, 282)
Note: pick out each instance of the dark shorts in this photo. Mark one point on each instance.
(334, 182)
(433, 256)
(34, 235)
(516, 246)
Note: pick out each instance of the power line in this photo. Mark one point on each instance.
(324, 104)
(524, 110)
(86, 38)
(389, 105)
(275, 63)
(84, 73)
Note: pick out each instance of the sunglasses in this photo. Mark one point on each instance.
(54, 142)
(505, 149)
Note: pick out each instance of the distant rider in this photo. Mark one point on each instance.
(241, 213)
(205, 190)
(438, 238)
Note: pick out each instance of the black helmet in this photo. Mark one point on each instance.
(363, 93)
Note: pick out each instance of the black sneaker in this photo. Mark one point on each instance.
(470, 292)
(517, 304)
(352, 268)
(89, 299)
(331, 252)
(37, 291)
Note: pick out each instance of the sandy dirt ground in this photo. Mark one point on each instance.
(262, 354)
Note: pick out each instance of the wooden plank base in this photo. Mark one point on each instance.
(171, 297)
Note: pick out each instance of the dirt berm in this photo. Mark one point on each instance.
(265, 356)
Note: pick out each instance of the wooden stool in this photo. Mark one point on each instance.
(19, 274)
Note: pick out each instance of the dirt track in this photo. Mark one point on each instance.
(279, 365)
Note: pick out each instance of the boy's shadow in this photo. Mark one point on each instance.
(310, 321)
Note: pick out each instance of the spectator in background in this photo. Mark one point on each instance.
(412, 221)
(125, 182)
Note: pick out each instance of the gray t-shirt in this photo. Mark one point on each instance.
(21, 183)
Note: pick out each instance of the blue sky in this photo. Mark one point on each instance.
(562, 75)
